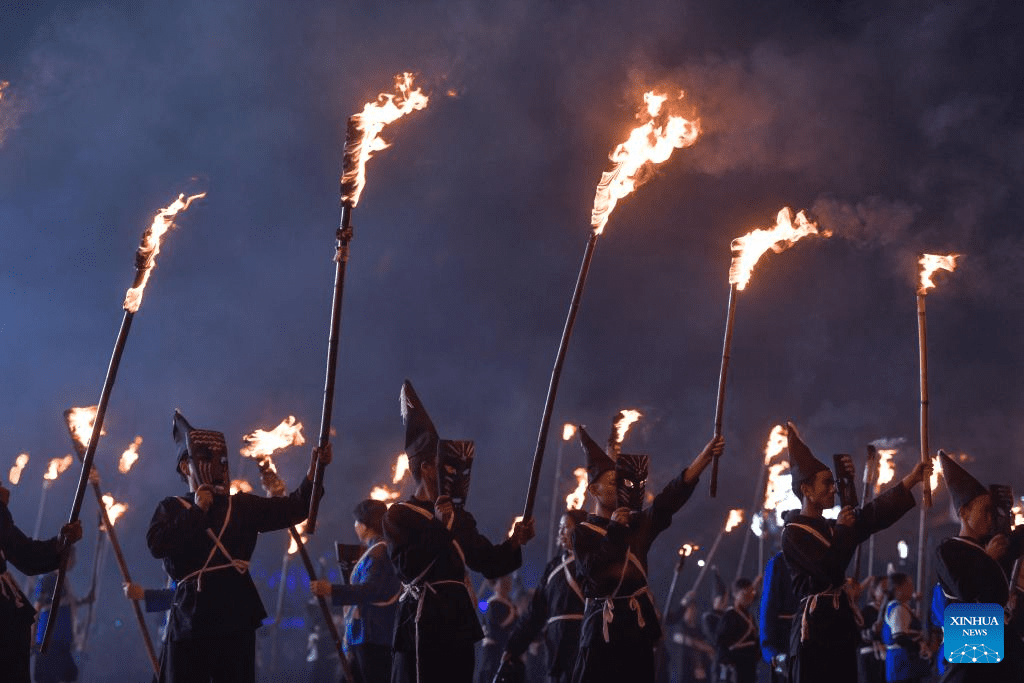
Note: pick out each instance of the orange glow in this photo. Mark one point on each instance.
(686, 550)
(735, 519)
(114, 509)
(933, 481)
(748, 249)
(568, 431)
(625, 421)
(80, 423)
(240, 486)
(401, 468)
(385, 494)
(145, 257)
(929, 264)
(14, 476)
(130, 456)
(386, 109)
(293, 547)
(57, 467)
(261, 444)
(512, 528)
(886, 470)
(1018, 516)
(574, 501)
(650, 143)
(778, 441)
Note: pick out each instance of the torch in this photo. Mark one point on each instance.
(870, 474)
(14, 474)
(145, 261)
(647, 145)
(735, 518)
(83, 427)
(362, 139)
(260, 445)
(929, 264)
(113, 511)
(54, 469)
(568, 431)
(746, 252)
(624, 419)
(387, 495)
(685, 551)
(776, 444)
(884, 473)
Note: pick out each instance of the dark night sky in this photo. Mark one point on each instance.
(898, 125)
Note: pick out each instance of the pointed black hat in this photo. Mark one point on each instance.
(598, 461)
(187, 438)
(420, 435)
(802, 463)
(963, 487)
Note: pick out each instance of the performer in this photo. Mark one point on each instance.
(825, 634)
(970, 572)
(16, 613)
(371, 596)
(205, 541)
(719, 603)
(57, 664)
(736, 648)
(431, 542)
(871, 662)
(499, 619)
(556, 607)
(620, 625)
(907, 658)
(775, 616)
(691, 654)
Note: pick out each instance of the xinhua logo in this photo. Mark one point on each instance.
(972, 633)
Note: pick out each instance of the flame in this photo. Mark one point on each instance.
(14, 476)
(886, 470)
(145, 257)
(369, 124)
(748, 249)
(1018, 516)
(401, 468)
(574, 501)
(512, 528)
(80, 423)
(568, 431)
(735, 519)
(113, 508)
(929, 264)
(240, 486)
(293, 547)
(903, 549)
(933, 481)
(129, 457)
(57, 467)
(648, 144)
(385, 494)
(686, 549)
(778, 441)
(625, 421)
(261, 444)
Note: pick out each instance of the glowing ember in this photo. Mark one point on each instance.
(293, 547)
(568, 431)
(574, 501)
(240, 486)
(735, 519)
(375, 115)
(748, 249)
(777, 442)
(114, 509)
(625, 421)
(933, 481)
(261, 444)
(57, 467)
(145, 257)
(385, 494)
(401, 468)
(80, 423)
(648, 144)
(14, 476)
(512, 529)
(929, 264)
(130, 456)
(686, 550)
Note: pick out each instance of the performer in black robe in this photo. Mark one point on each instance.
(736, 649)
(16, 612)
(431, 543)
(970, 571)
(620, 625)
(205, 541)
(500, 615)
(871, 655)
(775, 616)
(719, 603)
(825, 632)
(556, 607)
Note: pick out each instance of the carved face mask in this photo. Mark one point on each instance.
(631, 480)
(454, 464)
(208, 453)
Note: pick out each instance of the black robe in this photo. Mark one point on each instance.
(429, 555)
(557, 608)
(499, 619)
(16, 611)
(829, 650)
(736, 645)
(608, 576)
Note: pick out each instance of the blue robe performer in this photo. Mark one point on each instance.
(826, 630)
(205, 541)
(775, 616)
(620, 624)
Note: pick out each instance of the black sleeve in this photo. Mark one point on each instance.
(174, 527)
(29, 556)
(882, 512)
(530, 622)
(481, 555)
(273, 514)
(667, 503)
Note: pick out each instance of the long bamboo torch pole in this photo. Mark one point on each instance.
(672, 586)
(556, 374)
(870, 473)
(755, 505)
(93, 581)
(39, 510)
(279, 611)
(722, 375)
(555, 494)
(707, 560)
(926, 491)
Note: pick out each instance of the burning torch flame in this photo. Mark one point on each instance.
(293, 547)
(384, 494)
(240, 486)
(129, 457)
(568, 431)
(929, 264)
(648, 144)
(625, 421)
(778, 441)
(748, 249)
(114, 509)
(574, 501)
(80, 422)
(735, 519)
(261, 444)
(686, 549)
(57, 467)
(145, 257)
(886, 470)
(512, 529)
(369, 124)
(401, 468)
(1018, 515)
(933, 481)
(19, 464)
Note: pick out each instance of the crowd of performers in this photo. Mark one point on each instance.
(410, 611)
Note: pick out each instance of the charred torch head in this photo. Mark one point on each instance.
(631, 479)
(454, 465)
(206, 452)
